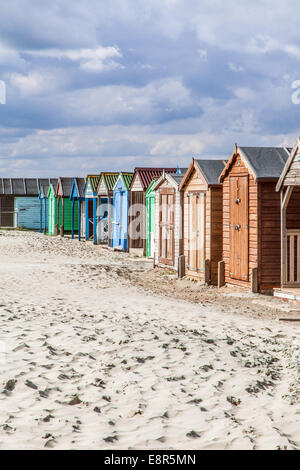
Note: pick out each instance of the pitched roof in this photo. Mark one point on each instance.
(211, 169)
(66, 185)
(80, 182)
(126, 178)
(293, 153)
(44, 186)
(94, 180)
(80, 186)
(264, 162)
(174, 178)
(22, 186)
(109, 179)
(146, 175)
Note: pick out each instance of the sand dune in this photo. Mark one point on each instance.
(91, 358)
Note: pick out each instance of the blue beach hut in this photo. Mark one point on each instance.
(120, 217)
(91, 196)
(44, 203)
(27, 203)
(77, 195)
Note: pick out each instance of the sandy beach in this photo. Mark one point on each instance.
(100, 351)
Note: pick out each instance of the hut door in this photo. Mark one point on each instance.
(196, 233)
(166, 226)
(239, 228)
(136, 219)
(6, 211)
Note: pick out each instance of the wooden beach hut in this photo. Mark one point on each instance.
(19, 202)
(168, 220)
(44, 204)
(78, 200)
(251, 217)
(288, 187)
(137, 206)
(64, 207)
(106, 184)
(120, 216)
(150, 220)
(202, 220)
(91, 196)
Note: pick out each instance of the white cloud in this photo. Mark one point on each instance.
(93, 59)
(34, 83)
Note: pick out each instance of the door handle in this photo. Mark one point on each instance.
(237, 227)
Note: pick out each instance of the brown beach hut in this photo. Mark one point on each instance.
(168, 220)
(251, 217)
(202, 219)
(137, 206)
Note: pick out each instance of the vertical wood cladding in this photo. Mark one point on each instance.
(239, 168)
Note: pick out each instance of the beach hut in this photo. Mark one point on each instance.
(120, 215)
(64, 207)
(19, 202)
(52, 208)
(251, 217)
(137, 206)
(44, 203)
(7, 208)
(168, 220)
(202, 220)
(78, 200)
(288, 187)
(150, 220)
(91, 195)
(105, 192)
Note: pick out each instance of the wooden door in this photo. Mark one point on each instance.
(6, 211)
(136, 220)
(196, 233)
(239, 228)
(166, 226)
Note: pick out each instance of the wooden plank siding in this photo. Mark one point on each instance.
(212, 225)
(177, 214)
(239, 168)
(269, 273)
(214, 219)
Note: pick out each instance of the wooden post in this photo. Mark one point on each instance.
(181, 266)
(154, 264)
(207, 271)
(221, 274)
(254, 281)
(284, 203)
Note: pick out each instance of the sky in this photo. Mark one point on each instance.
(97, 85)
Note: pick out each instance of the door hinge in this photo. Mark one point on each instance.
(246, 227)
